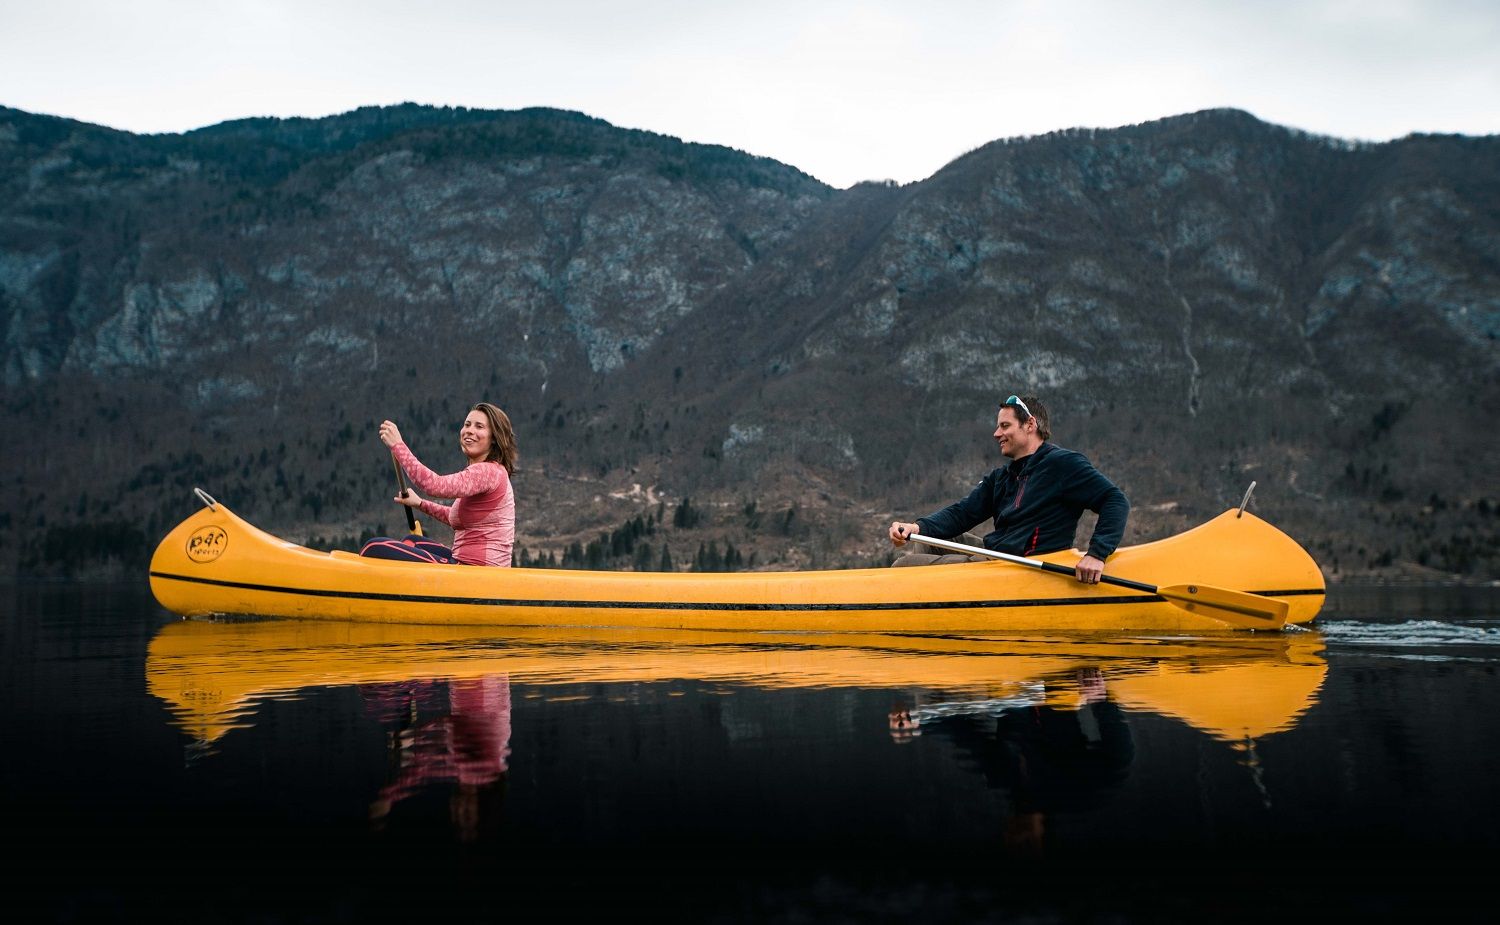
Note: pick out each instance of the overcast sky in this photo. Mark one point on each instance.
(847, 91)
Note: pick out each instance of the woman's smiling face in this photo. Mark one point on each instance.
(474, 436)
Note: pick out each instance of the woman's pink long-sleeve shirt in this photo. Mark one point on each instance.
(483, 514)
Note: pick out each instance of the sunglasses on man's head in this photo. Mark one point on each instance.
(1015, 400)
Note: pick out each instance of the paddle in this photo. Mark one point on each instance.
(412, 526)
(1237, 608)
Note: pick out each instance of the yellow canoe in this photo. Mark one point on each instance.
(216, 563)
(213, 676)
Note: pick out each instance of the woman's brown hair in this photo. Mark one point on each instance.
(502, 437)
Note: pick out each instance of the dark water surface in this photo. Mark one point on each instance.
(163, 770)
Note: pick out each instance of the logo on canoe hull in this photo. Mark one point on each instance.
(207, 544)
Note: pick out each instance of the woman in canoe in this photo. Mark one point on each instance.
(483, 514)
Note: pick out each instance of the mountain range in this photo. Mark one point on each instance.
(715, 360)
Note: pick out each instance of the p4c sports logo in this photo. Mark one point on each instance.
(207, 544)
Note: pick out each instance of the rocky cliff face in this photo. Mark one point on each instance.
(1204, 301)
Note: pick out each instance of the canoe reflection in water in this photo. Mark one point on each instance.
(1036, 714)
(444, 733)
(1048, 758)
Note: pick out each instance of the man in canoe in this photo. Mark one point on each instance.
(1035, 500)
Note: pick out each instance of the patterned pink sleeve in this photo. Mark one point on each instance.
(472, 481)
(436, 511)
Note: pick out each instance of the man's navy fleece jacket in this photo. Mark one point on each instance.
(1036, 503)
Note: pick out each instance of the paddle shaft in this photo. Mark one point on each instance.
(1237, 608)
(1034, 563)
(411, 515)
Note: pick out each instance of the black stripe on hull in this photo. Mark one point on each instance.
(686, 605)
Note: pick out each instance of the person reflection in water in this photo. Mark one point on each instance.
(1047, 759)
(466, 745)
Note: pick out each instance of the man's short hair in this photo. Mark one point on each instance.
(1029, 406)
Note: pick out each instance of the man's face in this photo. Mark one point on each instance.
(1014, 437)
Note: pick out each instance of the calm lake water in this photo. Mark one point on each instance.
(164, 770)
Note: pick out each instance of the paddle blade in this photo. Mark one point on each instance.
(1237, 608)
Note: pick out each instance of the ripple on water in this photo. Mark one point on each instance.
(1438, 640)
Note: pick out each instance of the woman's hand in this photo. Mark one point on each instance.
(408, 498)
(390, 435)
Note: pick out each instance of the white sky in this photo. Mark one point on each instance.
(844, 90)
